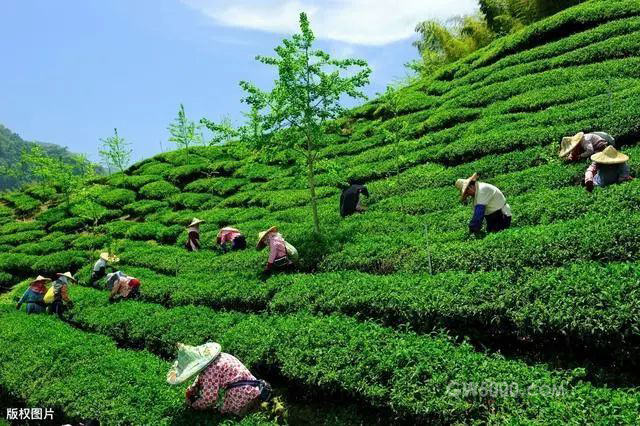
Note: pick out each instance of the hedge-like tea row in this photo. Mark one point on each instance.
(44, 363)
(591, 237)
(21, 203)
(403, 371)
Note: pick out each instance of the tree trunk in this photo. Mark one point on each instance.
(312, 187)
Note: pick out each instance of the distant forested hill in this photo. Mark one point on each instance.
(11, 146)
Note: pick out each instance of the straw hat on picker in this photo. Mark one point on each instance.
(68, 275)
(568, 144)
(40, 279)
(609, 156)
(192, 360)
(263, 235)
(109, 258)
(195, 222)
(463, 185)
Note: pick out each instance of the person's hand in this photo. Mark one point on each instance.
(589, 186)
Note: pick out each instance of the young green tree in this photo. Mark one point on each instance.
(116, 152)
(184, 132)
(304, 98)
(53, 172)
(221, 133)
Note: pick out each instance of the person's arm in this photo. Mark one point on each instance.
(588, 151)
(478, 216)
(115, 289)
(64, 293)
(625, 175)
(588, 176)
(22, 299)
(208, 395)
(272, 254)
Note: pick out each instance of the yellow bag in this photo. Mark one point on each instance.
(49, 296)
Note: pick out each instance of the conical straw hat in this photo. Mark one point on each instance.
(68, 275)
(196, 221)
(109, 258)
(192, 360)
(609, 156)
(262, 235)
(568, 144)
(463, 184)
(40, 278)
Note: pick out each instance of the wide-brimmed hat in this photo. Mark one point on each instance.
(569, 143)
(40, 278)
(109, 258)
(68, 275)
(228, 229)
(117, 274)
(192, 360)
(609, 156)
(262, 235)
(463, 184)
(196, 221)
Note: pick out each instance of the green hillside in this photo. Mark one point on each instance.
(11, 148)
(388, 308)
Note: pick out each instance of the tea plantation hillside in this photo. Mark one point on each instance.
(389, 308)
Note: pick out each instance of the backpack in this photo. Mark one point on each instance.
(292, 253)
(49, 296)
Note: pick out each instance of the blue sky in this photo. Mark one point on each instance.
(74, 70)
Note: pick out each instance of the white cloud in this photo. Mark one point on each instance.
(362, 22)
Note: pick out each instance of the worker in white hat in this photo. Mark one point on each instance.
(232, 236)
(488, 203)
(193, 241)
(33, 297)
(99, 270)
(57, 296)
(608, 167)
(582, 146)
(217, 371)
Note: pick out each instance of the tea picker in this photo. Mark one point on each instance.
(99, 270)
(57, 297)
(33, 297)
(582, 146)
(122, 286)
(217, 373)
(232, 236)
(489, 203)
(350, 200)
(193, 240)
(608, 167)
(282, 255)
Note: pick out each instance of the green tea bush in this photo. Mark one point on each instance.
(6, 280)
(193, 201)
(22, 203)
(40, 192)
(21, 237)
(144, 207)
(90, 242)
(116, 229)
(53, 215)
(184, 174)
(51, 264)
(70, 224)
(132, 182)
(159, 190)
(154, 168)
(326, 352)
(139, 393)
(40, 248)
(116, 198)
(17, 263)
(153, 231)
(216, 185)
(13, 227)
